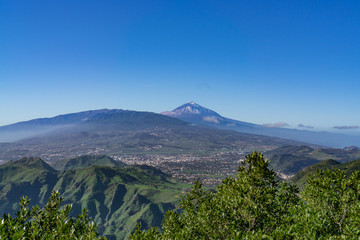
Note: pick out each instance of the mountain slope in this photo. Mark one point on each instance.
(192, 110)
(116, 197)
(301, 177)
(43, 126)
(289, 159)
(194, 113)
(129, 132)
(86, 161)
(29, 176)
(22, 168)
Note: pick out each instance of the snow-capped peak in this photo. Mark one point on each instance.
(189, 109)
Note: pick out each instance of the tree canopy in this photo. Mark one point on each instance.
(50, 222)
(254, 205)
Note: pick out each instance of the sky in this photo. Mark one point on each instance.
(291, 63)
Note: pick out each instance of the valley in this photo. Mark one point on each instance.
(181, 149)
(180, 143)
(194, 120)
(116, 196)
(127, 166)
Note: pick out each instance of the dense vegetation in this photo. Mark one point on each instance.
(86, 161)
(51, 222)
(116, 197)
(255, 206)
(291, 159)
(302, 176)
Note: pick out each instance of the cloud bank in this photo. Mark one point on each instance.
(305, 126)
(213, 119)
(346, 127)
(276, 125)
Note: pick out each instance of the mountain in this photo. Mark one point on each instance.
(119, 132)
(28, 176)
(290, 159)
(116, 197)
(86, 161)
(301, 177)
(194, 113)
(42, 126)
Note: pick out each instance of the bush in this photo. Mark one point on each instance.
(252, 204)
(255, 206)
(51, 222)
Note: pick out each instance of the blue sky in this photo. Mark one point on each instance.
(258, 61)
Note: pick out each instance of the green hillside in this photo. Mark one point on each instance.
(254, 205)
(29, 176)
(301, 177)
(117, 197)
(291, 159)
(349, 167)
(85, 161)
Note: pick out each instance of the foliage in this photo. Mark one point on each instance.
(51, 222)
(292, 159)
(333, 205)
(116, 197)
(86, 161)
(255, 206)
(301, 177)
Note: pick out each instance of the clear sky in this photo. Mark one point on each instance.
(264, 62)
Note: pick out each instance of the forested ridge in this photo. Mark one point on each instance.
(256, 206)
(252, 205)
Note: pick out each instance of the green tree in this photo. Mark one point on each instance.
(255, 206)
(51, 222)
(332, 206)
(252, 205)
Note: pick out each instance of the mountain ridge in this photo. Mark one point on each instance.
(192, 112)
(85, 161)
(41, 126)
(117, 197)
(348, 167)
(130, 132)
(290, 159)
